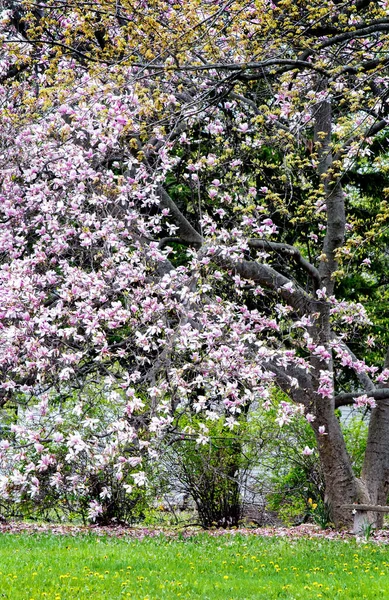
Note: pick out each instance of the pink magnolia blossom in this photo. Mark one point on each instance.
(307, 451)
(364, 401)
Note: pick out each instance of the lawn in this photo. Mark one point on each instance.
(35, 567)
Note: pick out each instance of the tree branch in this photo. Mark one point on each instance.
(187, 232)
(376, 128)
(274, 62)
(363, 378)
(357, 33)
(13, 71)
(369, 65)
(292, 252)
(268, 277)
(283, 378)
(347, 398)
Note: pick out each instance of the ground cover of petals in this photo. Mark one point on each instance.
(180, 531)
(75, 563)
(139, 532)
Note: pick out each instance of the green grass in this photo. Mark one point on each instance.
(33, 567)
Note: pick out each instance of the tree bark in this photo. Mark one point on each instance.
(341, 485)
(375, 472)
(340, 482)
(336, 215)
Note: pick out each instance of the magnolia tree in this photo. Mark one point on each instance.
(175, 227)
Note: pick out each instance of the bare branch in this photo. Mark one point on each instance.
(239, 67)
(369, 65)
(186, 230)
(377, 127)
(283, 378)
(268, 277)
(292, 252)
(377, 27)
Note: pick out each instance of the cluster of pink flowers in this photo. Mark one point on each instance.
(364, 401)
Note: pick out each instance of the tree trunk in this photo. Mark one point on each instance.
(375, 472)
(341, 484)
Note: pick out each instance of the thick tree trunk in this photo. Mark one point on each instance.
(375, 472)
(342, 486)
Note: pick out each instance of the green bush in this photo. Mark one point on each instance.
(209, 472)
